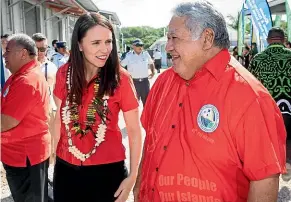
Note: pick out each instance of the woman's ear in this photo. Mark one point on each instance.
(80, 47)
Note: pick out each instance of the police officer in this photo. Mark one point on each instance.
(137, 62)
(62, 56)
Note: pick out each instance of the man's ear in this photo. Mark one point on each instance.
(208, 37)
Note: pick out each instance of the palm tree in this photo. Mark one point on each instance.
(233, 21)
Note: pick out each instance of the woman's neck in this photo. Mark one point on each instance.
(90, 71)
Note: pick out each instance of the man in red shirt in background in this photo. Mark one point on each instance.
(213, 132)
(25, 140)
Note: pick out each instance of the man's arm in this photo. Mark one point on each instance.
(8, 122)
(152, 67)
(265, 190)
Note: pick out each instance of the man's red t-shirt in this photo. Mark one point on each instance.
(25, 97)
(111, 150)
(207, 138)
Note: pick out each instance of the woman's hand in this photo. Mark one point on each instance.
(124, 189)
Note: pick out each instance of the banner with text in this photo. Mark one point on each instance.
(261, 18)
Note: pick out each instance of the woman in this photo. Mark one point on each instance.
(90, 91)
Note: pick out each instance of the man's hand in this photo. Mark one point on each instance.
(8, 122)
(151, 75)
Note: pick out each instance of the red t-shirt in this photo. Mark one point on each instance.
(207, 138)
(25, 97)
(111, 150)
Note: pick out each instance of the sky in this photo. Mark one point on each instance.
(156, 13)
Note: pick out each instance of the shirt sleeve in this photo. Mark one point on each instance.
(20, 99)
(60, 86)
(128, 94)
(261, 140)
(124, 62)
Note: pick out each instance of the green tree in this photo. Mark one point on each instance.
(147, 34)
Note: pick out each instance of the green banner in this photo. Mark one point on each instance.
(288, 13)
(278, 20)
(240, 32)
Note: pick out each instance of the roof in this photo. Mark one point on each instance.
(73, 7)
(111, 15)
(276, 2)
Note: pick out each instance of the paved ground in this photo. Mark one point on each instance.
(284, 189)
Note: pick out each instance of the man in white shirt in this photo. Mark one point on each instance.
(158, 60)
(62, 56)
(138, 62)
(49, 70)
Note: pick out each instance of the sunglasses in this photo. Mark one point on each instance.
(139, 45)
(41, 49)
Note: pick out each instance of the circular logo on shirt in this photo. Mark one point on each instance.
(208, 118)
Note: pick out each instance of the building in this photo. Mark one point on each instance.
(54, 18)
(277, 6)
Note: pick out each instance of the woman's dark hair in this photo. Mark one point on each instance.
(109, 73)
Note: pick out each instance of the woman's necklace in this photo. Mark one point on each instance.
(70, 115)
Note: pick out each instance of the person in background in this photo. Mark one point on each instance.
(235, 52)
(49, 70)
(288, 44)
(273, 68)
(25, 139)
(138, 62)
(253, 51)
(158, 60)
(52, 50)
(124, 55)
(213, 132)
(246, 56)
(90, 91)
(5, 73)
(62, 56)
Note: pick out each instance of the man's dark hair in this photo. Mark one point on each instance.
(4, 36)
(54, 42)
(38, 37)
(127, 48)
(276, 33)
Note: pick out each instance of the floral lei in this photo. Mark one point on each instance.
(70, 115)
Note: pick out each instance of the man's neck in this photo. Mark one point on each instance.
(42, 60)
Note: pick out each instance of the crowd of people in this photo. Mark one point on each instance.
(214, 130)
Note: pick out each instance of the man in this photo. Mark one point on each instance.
(124, 54)
(4, 71)
(25, 140)
(213, 132)
(49, 70)
(273, 68)
(158, 60)
(137, 63)
(4, 41)
(62, 56)
(52, 50)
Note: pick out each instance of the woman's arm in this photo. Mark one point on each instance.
(133, 128)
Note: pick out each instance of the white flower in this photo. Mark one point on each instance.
(66, 118)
